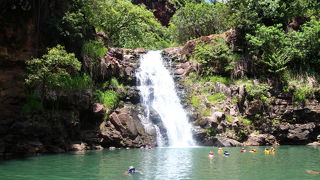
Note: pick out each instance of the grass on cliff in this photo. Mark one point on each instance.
(78, 82)
(108, 98)
(215, 98)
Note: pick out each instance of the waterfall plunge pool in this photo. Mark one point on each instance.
(289, 162)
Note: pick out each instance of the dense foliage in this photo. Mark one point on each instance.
(52, 70)
(197, 19)
(275, 38)
(124, 24)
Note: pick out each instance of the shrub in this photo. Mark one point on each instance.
(301, 93)
(258, 91)
(108, 98)
(245, 121)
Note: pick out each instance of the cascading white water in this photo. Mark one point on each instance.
(157, 90)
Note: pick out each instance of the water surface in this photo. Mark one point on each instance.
(289, 162)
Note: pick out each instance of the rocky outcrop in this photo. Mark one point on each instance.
(124, 128)
(163, 10)
(297, 133)
(261, 140)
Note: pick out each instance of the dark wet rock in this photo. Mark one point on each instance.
(254, 107)
(199, 134)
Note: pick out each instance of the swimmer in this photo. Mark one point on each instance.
(253, 150)
(243, 150)
(313, 172)
(272, 150)
(226, 153)
(211, 155)
(220, 150)
(132, 171)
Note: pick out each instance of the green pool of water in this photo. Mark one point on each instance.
(289, 162)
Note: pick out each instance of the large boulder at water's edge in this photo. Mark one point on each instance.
(297, 133)
(260, 140)
(124, 128)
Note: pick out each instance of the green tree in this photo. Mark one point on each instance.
(125, 24)
(270, 44)
(215, 56)
(194, 20)
(306, 44)
(47, 72)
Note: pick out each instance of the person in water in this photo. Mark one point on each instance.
(313, 172)
(267, 151)
(220, 150)
(243, 150)
(226, 153)
(211, 155)
(132, 171)
(272, 150)
(253, 150)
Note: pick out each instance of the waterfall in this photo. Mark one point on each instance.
(158, 92)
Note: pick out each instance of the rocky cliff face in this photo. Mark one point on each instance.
(77, 122)
(237, 119)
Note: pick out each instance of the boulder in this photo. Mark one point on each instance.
(179, 71)
(301, 132)
(314, 144)
(173, 52)
(98, 108)
(254, 107)
(199, 134)
(222, 88)
(260, 140)
(77, 147)
(124, 128)
(225, 142)
(218, 117)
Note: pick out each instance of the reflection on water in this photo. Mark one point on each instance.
(167, 163)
